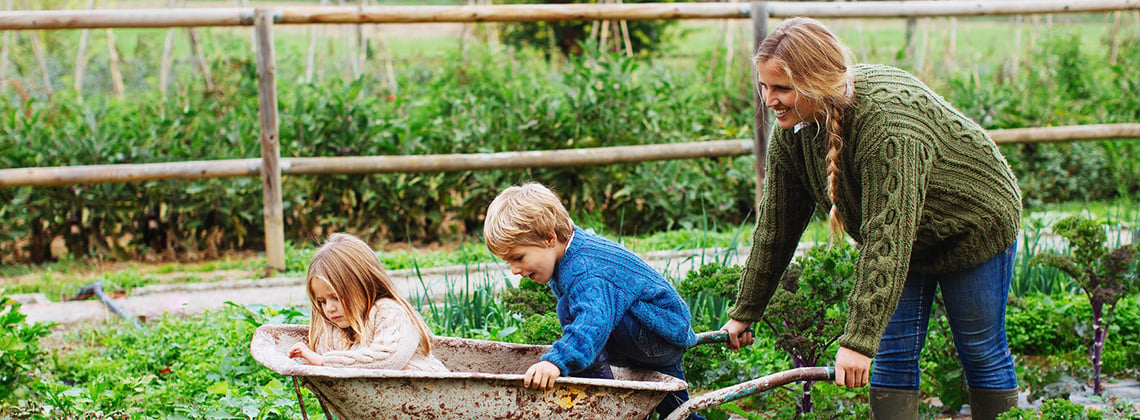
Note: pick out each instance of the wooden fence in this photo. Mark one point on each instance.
(270, 167)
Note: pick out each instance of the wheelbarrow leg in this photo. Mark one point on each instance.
(300, 401)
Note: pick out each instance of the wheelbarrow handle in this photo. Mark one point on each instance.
(715, 337)
(738, 391)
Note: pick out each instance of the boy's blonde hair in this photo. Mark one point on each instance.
(815, 62)
(525, 215)
(351, 268)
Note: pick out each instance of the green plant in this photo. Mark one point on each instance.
(806, 313)
(1105, 276)
(1061, 409)
(709, 291)
(20, 353)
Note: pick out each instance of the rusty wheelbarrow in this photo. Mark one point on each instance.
(486, 382)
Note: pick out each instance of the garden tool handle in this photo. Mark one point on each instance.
(715, 337)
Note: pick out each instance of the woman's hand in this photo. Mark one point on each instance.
(541, 375)
(739, 334)
(302, 350)
(852, 369)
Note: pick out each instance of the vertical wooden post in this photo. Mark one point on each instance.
(81, 58)
(760, 133)
(200, 59)
(38, 51)
(167, 64)
(270, 150)
(116, 75)
(4, 53)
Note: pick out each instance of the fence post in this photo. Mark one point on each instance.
(270, 150)
(760, 133)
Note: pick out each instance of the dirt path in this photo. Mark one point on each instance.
(189, 298)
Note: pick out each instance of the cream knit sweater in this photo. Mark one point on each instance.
(389, 341)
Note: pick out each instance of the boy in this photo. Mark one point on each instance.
(613, 307)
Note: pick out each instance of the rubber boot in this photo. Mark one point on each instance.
(893, 404)
(987, 404)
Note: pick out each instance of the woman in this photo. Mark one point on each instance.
(921, 188)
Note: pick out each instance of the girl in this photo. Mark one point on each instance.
(920, 187)
(357, 318)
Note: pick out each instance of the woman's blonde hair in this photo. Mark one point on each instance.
(351, 268)
(815, 62)
(525, 215)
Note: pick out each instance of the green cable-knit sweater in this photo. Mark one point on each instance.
(921, 188)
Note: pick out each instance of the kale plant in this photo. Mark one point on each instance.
(1104, 275)
(805, 313)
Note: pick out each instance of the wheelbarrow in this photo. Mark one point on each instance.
(485, 382)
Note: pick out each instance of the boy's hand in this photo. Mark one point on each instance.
(541, 375)
(852, 369)
(302, 350)
(739, 334)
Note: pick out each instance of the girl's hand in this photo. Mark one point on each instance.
(302, 350)
(541, 375)
(852, 369)
(739, 334)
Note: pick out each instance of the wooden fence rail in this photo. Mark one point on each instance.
(234, 168)
(244, 16)
(270, 167)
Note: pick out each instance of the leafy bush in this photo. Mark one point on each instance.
(1060, 84)
(194, 367)
(20, 353)
(485, 103)
(1045, 325)
(573, 38)
(1061, 409)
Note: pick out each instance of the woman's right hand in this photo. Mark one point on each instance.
(739, 334)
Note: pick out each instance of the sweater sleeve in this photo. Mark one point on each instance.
(389, 342)
(595, 307)
(894, 162)
(784, 211)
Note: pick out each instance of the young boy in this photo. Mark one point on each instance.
(613, 307)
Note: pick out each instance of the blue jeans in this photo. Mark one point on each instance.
(975, 301)
(630, 345)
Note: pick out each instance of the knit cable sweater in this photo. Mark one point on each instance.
(389, 341)
(598, 281)
(922, 188)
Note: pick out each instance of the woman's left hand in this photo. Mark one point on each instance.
(852, 369)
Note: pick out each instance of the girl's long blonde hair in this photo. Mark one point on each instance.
(815, 62)
(351, 268)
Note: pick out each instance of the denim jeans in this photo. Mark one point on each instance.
(630, 345)
(975, 301)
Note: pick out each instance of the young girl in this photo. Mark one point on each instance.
(358, 320)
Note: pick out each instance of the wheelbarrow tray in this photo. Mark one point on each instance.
(485, 382)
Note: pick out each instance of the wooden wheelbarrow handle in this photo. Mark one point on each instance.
(741, 390)
(738, 391)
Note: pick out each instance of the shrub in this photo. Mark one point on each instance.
(20, 353)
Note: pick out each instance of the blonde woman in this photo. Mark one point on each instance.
(921, 189)
(358, 319)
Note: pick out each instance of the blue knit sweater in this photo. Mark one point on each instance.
(597, 282)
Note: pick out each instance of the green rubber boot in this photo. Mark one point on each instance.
(987, 404)
(893, 404)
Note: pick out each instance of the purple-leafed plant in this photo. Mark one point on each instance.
(1104, 275)
(805, 311)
